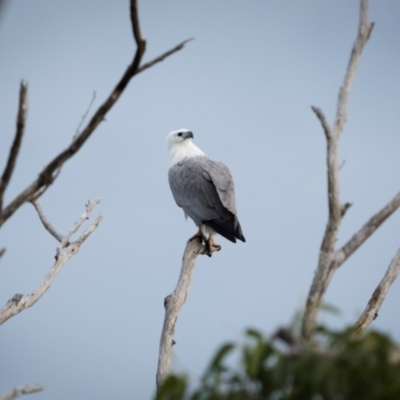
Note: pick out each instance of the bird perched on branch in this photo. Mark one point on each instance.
(204, 189)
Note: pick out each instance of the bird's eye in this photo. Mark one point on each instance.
(180, 134)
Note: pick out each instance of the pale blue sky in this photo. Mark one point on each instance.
(244, 86)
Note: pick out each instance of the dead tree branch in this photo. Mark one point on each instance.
(173, 304)
(49, 173)
(84, 116)
(163, 56)
(65, 251)
(2, 251)
(321, 116)
(46, 222)
(19, 391)
(374, 304)
(12, 157)
(328, 258)
(364, 32)
(367, 230)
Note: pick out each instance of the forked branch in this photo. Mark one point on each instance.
(163, 56)
(328, 258)
(49, 173)
(65, 251)
(173, 304)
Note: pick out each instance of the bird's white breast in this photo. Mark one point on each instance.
(185, 149)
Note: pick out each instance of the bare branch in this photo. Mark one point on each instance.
(323, 273)
(84, 116)
(367, 230)
(335, 207)
(89, 207)
(89, 230)
(12, 157)
(344, 207)
(163, 56)
(137, 34)
(2, 251)
(328, 262)
(352, 245)
(374, 304)
(46, 222)
(173, 304)
(364, 32)
(48, 174)
(321, 116)
(19, 391)
(65, 251)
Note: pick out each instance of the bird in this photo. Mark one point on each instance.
(204, 189)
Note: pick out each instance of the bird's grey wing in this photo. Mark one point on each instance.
(220, 175)
(227, 224)
(194, 191)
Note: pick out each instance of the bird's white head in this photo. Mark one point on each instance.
(180, 145)
(177, 137)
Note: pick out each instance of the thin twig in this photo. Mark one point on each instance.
(173, 304)
(321, 116)
(48, 174)
(19, 391)
(344, 208)
(12, 157)
(84, 116)
(374, 304)
(367, 230)
(2, 251)
(45, 221)
(364, 32)
(137, 34)
(89, 230)
(328, 262)
(65, 251)
(163, 56)
(89, 207)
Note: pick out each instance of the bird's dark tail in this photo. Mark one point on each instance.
(239, 233)
(226, 229)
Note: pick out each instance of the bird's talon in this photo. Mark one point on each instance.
(199, 236)
(211, 246)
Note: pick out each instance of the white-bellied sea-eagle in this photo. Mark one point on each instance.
(204, 189)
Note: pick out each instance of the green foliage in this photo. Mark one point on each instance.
(174, 387)
(334, 367)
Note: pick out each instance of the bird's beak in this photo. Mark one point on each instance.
(188, 135)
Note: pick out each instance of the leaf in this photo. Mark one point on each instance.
(254, 333)
(173, 388)
(216, 362)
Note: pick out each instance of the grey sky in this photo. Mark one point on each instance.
(244, 87)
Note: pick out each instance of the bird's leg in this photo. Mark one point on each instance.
(211, 246)
(199, 235)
